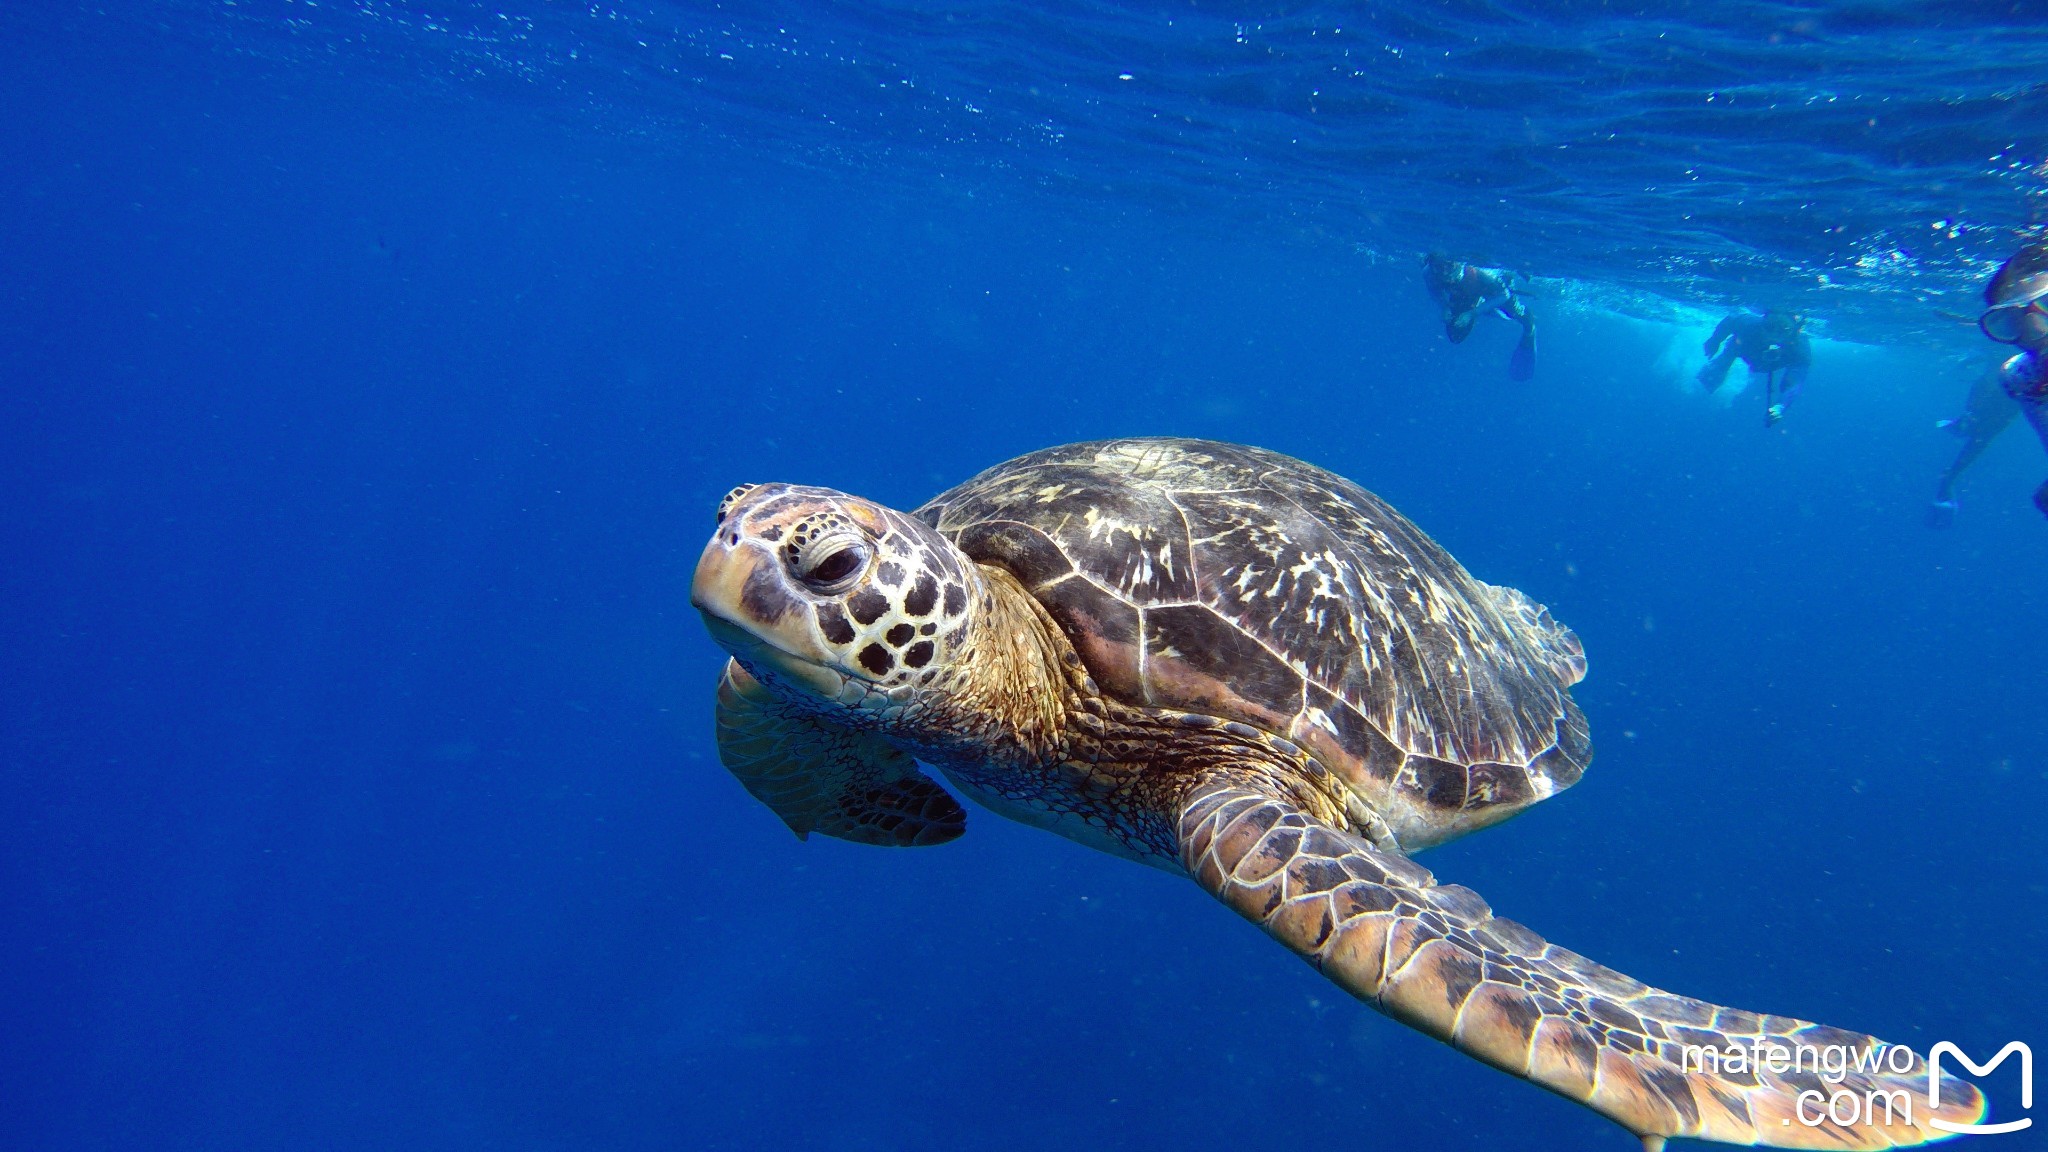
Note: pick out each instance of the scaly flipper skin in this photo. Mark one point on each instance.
(1435, 958)
(820, 777)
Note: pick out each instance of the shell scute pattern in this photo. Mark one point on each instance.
(1220, 579)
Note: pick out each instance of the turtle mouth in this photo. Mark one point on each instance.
(768, 662)
(730, 589)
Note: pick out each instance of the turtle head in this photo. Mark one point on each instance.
(833, 601)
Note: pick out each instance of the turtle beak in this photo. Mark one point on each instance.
(721, 576)
(751, 612)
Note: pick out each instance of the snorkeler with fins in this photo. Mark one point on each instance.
(1771, 343)
(1464, 291)
(2016, 313)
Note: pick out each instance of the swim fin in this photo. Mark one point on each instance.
(1522, 364)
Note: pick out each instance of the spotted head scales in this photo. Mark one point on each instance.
(852, 599)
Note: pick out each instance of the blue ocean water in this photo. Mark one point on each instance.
(370, 371)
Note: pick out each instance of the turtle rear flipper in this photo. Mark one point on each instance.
(823, 778)
(1435, 958)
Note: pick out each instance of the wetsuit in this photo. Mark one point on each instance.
(1766, 346)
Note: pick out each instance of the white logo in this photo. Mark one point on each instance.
(1976, 1069)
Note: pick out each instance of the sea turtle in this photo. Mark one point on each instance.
(1236, 666)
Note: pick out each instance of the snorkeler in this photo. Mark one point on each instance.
(2016, 314)
(1771, 343)
(1986, 413)
(1464, 291)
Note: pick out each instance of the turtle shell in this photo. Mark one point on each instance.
(1243, 584)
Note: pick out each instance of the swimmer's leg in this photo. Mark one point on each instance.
(1715, 373)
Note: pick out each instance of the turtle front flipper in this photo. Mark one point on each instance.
(1435, 958)
(820, 777)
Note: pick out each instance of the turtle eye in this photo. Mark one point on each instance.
(829, 560)
(836, 567)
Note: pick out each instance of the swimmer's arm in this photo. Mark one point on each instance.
(1795, 379)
